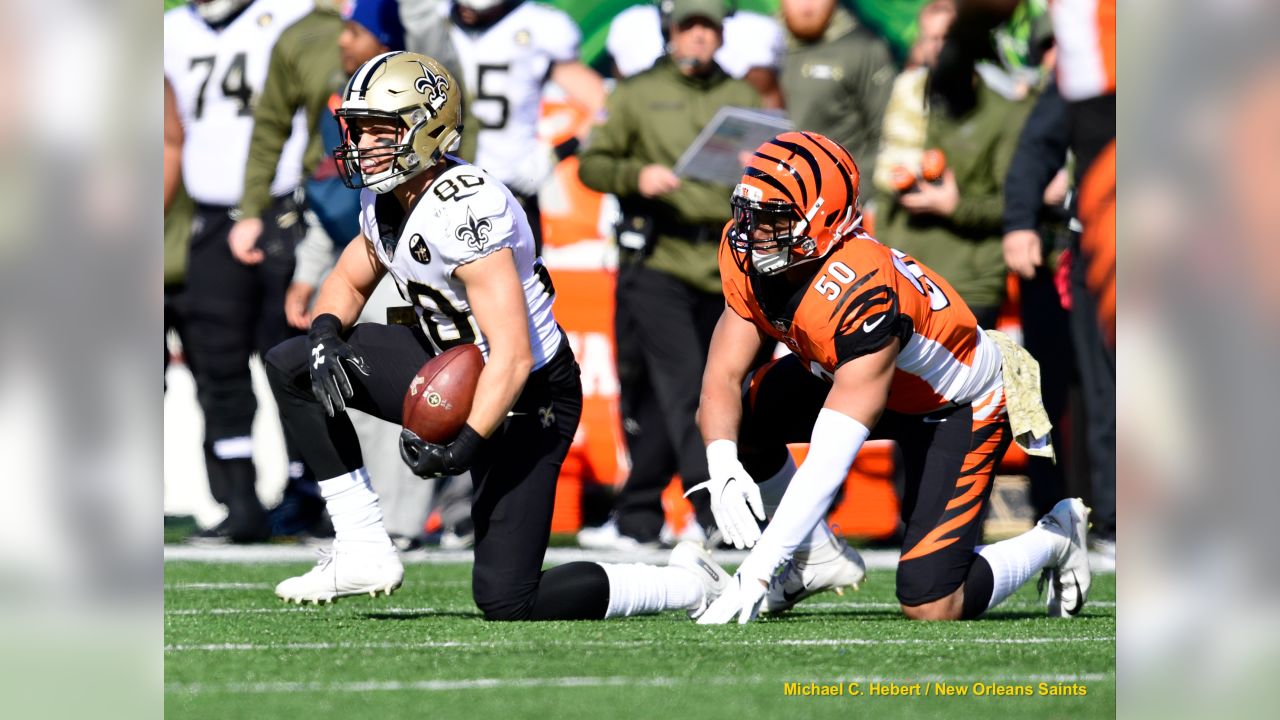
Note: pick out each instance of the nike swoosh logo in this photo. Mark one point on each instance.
(793, 596)
(868, 326)
(934, 420)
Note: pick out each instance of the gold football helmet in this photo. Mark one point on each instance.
(413, 93)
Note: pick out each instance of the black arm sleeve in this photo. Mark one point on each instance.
(1042, 151)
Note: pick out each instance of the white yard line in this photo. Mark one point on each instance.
(257, 554)
(174, 587)
(894, 606)
(619, 644)
(591, 682)
(218, 586)
(427, 610)
(291, 609)
(938, 641)
(246, 647)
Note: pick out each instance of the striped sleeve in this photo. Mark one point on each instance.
(867, 317)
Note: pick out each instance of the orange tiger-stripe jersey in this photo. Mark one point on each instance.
(864, 296)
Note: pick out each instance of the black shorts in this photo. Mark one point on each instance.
(949, 461)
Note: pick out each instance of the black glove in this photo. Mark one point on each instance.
(429, 460)
(329, 381)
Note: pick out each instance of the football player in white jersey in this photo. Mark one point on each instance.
(216, 54)
(509, 49)
(459, 246)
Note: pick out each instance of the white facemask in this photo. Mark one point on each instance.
(768, 263)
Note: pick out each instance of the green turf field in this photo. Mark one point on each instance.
(234, 651)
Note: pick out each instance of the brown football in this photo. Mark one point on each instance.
(439, 397)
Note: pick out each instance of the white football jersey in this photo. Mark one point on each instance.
(464, 215)
(504, 68)
(750, 40)
(216, 78)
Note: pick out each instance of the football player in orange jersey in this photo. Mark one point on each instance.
(881, 347)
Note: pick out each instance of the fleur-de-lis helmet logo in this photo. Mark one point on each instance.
(474, 233)
(435, 87)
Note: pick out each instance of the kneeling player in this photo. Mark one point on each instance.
(460, 249)
(881, 342)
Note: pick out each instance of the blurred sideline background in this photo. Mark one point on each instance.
(579, 249)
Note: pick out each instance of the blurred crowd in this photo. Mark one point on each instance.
(973, 149)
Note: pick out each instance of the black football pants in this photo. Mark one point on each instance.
(671, 324)
(230, 311)
(638, 505)
(1098, 383)
(1046, 334)
(515, 475)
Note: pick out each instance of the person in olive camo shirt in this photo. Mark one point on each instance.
(836, 78)
(671, 288)
(954, 226)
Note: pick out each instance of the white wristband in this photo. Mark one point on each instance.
(722, 455)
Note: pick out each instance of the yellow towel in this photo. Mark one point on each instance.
(1023, 403)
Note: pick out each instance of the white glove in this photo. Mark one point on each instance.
(744, 597)
(734, 495)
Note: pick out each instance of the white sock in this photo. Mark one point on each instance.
(353, 508)
(638, 589)
(1015, 560)
(820, 545)
(771, 491)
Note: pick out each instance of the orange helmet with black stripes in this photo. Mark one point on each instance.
(797, 199)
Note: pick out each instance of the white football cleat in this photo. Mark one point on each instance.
(450, 540)
(1069, 577)
(692, 532)
(607, 537)
(339, 574)
(695, 558)
(832, 566)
